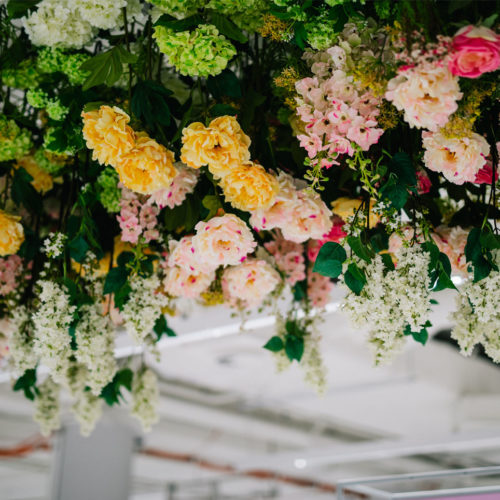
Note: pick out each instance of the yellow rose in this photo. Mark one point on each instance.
(347, 207)
(148, 167)
(222, 145)
(107, 134)
(42, 181)
(249, 187)
(11, 234)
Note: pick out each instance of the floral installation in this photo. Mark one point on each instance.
(242, 154)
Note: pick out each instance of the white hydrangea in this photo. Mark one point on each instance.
(390, 302)
(22, 356)
(95, 338)
(103, 14)
(145, 398)
(47, 407)
(143, 307)
(52, 341)
(58, 23)
(477, 318)
(87, 410)
(53, 245)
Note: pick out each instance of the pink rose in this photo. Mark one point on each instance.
(474, 51)
(424, 184)
(485, 175)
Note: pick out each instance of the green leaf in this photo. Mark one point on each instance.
(161, 328)
(473, 246)
(175, 24)
(227, 27)
(106, 67)
(115, 279)
(184, 216)
(395, 192)
(23, 193)
(274, 344)
(225, 84)
(482, 269)
(149, 103)
(388, 262)
(329, 260)
(122, 295)
(112, 393)
(124, 258)
(354, 278)
(78, 248)
(20, 8)
(489, 240)
(361, 250)
(300, 36)
(212, 203)
(402, 166)
(422, 336)
(299, 291)
(294, 347)
(379, 242)
(220, 109)
(490, 21)
(27, 383)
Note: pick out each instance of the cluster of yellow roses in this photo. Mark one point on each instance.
(11, 234)
(223, 146)
(144, 166)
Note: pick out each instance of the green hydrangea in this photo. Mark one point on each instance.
(108, 192)
(201, 52)
(178, 8)
(50, 60)
(15, 142)
(49, 162)
(23, 77)
(56, 110)
(71, 68)
(56, 140)
(37, 98)
(321, 33)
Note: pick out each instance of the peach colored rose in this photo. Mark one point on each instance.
(451, 241)
(147, 167)
(107, 134)
(474, 51)
(249, 187)
(183, 254)
(11, 234)
(189, 284)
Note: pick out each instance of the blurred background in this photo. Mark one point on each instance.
(231, 427)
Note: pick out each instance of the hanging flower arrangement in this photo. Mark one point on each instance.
(233, 153)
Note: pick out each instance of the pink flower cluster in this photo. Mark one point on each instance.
(183, 184)
(138, 217)
(289, 257)
(318, 288)
(11, 268)
(338, 118)
(474, 51)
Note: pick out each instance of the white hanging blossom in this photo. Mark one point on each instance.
(145, 398)
(76, 378)
(143, 307)
(53, 245)
(47, 407)
(52, 342)
(388, 303)
(22, 355)
(477, 318)
(95, 338)
(87, 410)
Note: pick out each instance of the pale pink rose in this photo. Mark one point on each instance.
(183, 254)
(451, 241)
(424, 184)
(427, 94)
(474, 51)
(183, 184)
(249, 283)
(189, 284)
(458, 159)
(223, 241)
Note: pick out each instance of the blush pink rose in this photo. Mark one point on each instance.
(474, 51)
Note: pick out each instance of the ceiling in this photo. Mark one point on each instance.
(226, 413)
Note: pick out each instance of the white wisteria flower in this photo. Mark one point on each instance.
(22, 355)
(390, 302)
(145, 398)
(47, 407)
(143, 307)
(95, 338)
(52, 341)
(87, 410)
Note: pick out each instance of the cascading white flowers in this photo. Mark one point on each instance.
(95, 339)
(477, 317)
(145, 398)
(47, 406)
(87, 410)
(52, 342)
(391, 301)
(22, 355)
(143, 307)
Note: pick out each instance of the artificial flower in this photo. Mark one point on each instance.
(11, 234)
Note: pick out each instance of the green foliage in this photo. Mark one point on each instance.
(161, 328)
(106, 67)
(354, 278)
(478, 251)
(23, 193)
(227, 27)
(112, 393)
(78, 248)
(439, 268)
(149, 102)
(401, 180)
(421, 336)
(360, 249)
(27, 383)
(274, 344)
(20, 8)
(329, 260)
(225, 84)
(184, 216)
